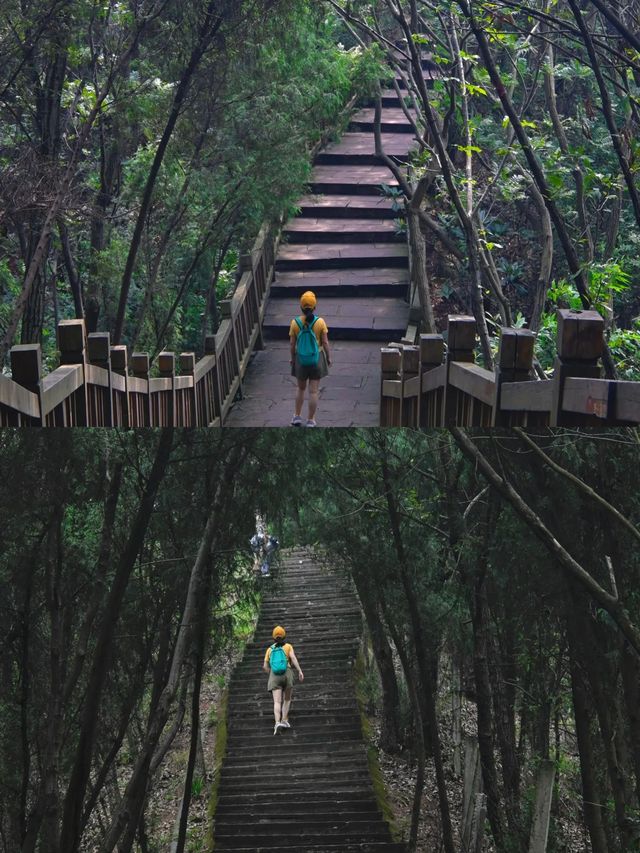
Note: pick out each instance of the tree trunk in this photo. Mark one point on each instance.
(211, 25)
(132, 799)
(390, 735)
(70, 832)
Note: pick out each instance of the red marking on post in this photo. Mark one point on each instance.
(596, 407)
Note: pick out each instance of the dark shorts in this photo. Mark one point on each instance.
(318, 372)
(280, 682)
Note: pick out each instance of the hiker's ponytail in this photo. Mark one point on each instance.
(309, 315)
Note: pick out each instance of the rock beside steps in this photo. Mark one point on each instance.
(308, 788)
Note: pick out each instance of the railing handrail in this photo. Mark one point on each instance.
(100, 385)
(437, 385)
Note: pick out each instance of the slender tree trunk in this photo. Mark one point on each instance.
(390, 734)
(420, 645)
(70, 832)
(212, 23)
(582, 711)
(132, 799)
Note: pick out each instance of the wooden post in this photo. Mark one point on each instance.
(140, 369)
(226, 312)
(216, 403)
(472, 784)
(430, 411)
(542, 807)
(120, 365)
(515, 362)
(26, 371)
(409, 371)
(167, 370)
(72, 344)
(390, 387)
(99, 354)
(461, 341)
(580, 345)
(188, 368)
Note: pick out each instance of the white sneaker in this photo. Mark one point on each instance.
(311, 423)
(276, 727)
(296, 421)
(285, 724)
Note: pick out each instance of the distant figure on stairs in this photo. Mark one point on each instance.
(277, 662)
(310, 356)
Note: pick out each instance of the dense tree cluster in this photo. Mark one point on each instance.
(498, 570)
(504, 567)
(121, 568)
(141, 146)
(525, 185)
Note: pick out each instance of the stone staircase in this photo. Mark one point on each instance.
(307, 789)
(346, 246)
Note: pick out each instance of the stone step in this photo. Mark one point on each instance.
(378, 318)
(359, 149)
(343, 282)
(303, 798)
(325, 775)
(393, 120)
(360, 785)
(299, 712)
(337, 206)
(283, 809)
(339, 644)
(320, 230)
(351, 180)
(336, 256)
(301, 706)
(305, 826)
(299, 841)
(306, 691)
(326, 755)
(297, 745)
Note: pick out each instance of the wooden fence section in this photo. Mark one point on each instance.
(100, 385)
(430, 385)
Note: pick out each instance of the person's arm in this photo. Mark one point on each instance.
(292, 342)
(265, 665)
(325, 347)
(294, 661)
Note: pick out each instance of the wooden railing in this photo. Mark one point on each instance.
(433, 385)
(100, 385)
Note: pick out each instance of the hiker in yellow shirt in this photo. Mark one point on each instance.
(313, 364)
(280, 682)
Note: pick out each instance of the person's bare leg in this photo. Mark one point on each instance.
(302, 387)
(277, 704)
(314, 390)
(286, 705)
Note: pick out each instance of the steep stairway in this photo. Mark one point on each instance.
(308, 788)
(346, 245)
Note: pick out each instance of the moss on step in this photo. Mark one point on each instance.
(220, 752)
(377, 779)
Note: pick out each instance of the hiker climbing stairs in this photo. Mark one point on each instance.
(346, 246)
(308, 788)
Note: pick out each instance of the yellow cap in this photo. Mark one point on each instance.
(279, 633)
(308, 300)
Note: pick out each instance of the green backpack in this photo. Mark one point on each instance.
(307, 349)
(278, 660)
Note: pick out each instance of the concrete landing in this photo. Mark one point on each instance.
(349, 396)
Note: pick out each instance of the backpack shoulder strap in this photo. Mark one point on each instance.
(299, 324)
(315, 320)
